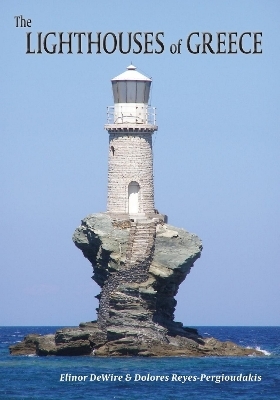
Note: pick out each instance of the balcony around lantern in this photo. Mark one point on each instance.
(131, 117)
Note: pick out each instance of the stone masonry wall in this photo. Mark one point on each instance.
(130, 159)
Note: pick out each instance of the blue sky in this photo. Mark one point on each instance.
(216, 157)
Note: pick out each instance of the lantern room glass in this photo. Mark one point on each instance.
(131, 91)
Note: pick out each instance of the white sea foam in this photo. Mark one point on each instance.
(265, 352)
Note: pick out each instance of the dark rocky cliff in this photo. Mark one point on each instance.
(139, 267)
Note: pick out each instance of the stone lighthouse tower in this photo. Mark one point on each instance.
(131, 123)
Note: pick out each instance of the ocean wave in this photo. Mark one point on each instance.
(265, 352)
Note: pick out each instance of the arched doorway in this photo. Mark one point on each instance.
(133, 198)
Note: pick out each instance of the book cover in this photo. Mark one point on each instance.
(215, 85)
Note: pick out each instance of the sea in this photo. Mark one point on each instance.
(91, 377)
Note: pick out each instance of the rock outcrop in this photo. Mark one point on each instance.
(87, 339)
(139, 266)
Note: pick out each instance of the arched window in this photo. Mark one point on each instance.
(133, 197)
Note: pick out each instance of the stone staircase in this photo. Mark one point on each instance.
(140, 247)
(139, 254)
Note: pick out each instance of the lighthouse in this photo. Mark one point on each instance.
(131, 123)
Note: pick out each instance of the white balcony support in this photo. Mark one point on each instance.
(131, 114)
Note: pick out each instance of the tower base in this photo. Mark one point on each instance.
(156, 217)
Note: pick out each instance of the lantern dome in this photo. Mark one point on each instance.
(131, 75)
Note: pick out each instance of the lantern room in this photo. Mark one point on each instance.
(131, 91)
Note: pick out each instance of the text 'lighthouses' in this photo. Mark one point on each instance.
(131, 123)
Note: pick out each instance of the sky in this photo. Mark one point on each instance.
(216, 155)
